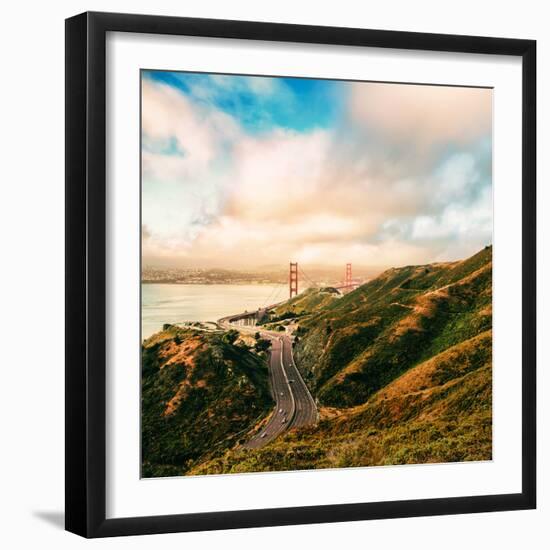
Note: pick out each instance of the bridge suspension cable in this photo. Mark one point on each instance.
(293, 279)
(308, 278)
(281, 289)
(296, 272)
(274, 294)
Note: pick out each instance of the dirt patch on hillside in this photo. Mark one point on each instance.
(180, 353)
(328, 413)
(183, 355)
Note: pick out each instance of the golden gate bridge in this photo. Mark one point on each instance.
(295, 275)
(345, 286)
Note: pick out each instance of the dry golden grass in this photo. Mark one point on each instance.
(475, 274)
(421, 378)
(181, 394)
(180, 353)
(247, 339)
(419, 383)
(328, 413)
(171, 354)
(423, 306)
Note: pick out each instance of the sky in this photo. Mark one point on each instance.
(243, 172)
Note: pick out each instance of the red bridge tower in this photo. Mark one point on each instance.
(348, 275)
(293, 279)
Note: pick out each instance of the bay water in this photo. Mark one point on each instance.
(178, 303)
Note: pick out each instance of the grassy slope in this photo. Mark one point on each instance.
(363, 341)
(439, 411)
(309, 301)
(200, 394)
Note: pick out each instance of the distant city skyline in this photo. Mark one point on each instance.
(248, 172)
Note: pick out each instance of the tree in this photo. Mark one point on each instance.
(262, 345)
(230, 336)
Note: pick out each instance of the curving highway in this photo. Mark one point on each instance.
(294, 405)
(305, 413)
(285, 405)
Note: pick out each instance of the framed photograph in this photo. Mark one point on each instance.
(300, 274)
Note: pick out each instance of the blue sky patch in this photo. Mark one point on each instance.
(262, 104)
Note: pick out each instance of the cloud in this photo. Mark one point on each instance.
(403, 177)
(454, 217)
(424, 115)
(256, 101)
(186, 148)
(199, 134)
(257, 86)
(278, 176)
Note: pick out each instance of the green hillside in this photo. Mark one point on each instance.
(401, 369)
(361, 342)
(309, 302)
(439, 411)
(201, 393)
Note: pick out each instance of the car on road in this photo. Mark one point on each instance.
(263, 435)
(281, 410)
(283, 421)
(291, 381)
(282, 393)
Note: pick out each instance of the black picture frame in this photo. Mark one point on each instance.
(86, 279)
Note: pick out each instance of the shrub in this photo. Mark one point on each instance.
(262, 345)
(231, 336)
